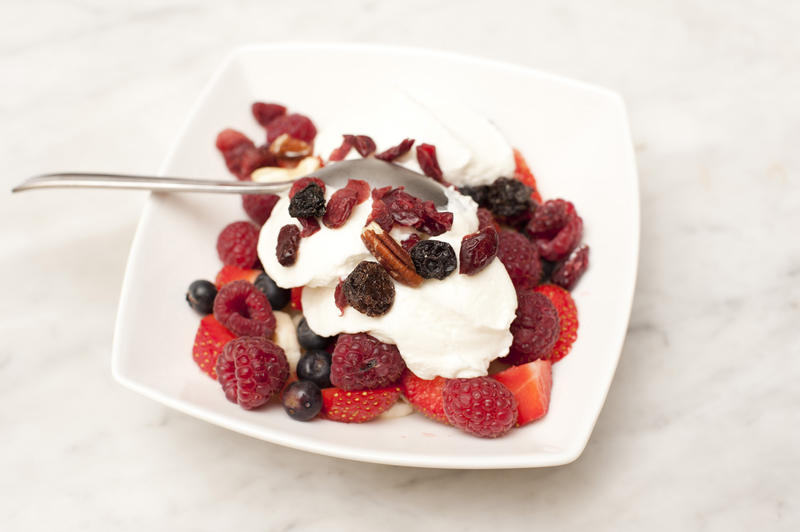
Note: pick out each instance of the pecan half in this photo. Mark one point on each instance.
(286, 147)
(390, 254)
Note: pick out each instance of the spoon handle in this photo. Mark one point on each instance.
(158, 184)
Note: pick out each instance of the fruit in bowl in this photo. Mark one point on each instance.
(343, 302)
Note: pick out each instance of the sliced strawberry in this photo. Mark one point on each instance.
(229, 274)
(530, 383)
(524, 174)
(425, 395)
(208, 343)
(567, 316)
(297, 298)
(357, 406)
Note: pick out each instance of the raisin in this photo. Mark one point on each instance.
(338, 154)
(308, 202)
(429, 163)
(411, 241)
(509, 198)
(295, 125)
(478, 250)
(288, 242)
(433, 259)
(369, 289)
(569, 271)
(395, 151)
(363, 144)
(343, 201)
(479, 194)
(264, 113)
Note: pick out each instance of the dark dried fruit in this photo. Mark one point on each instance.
(303, 182)
(429, 163)
(309, 225)
(412, 240)
(264, 113)
(479, 193)
(395, 151)
(395, 206)
(369, 289)
(549, 218)
(569, 271)
(343, 201)
(308, 202)
(288, 242)
(520, 258)
(338, 154)
(509, 198)
(433, 259)
(363, 144)
(339, 298)
(478, 250)
(295, 125)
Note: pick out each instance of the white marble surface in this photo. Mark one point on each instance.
(701, 429)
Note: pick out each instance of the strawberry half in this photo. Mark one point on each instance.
(530, 383)
(357, 406)
(228, 274)
(209, 341)
(524, 174)
(425, 395)
(297, 298)
(568, 319)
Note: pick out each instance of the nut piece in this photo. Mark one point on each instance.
(286, 147)
(390, 255)
(275, 174)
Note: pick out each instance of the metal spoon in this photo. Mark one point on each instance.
(376, 172)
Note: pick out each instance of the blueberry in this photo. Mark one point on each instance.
(309, 339)
(302, 400)
(315, 366)
(278, 297)
(201, 296)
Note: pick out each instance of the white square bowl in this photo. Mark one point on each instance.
(577, 142)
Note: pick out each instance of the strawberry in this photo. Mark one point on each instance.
(208, 343)
(357, 406)
(232, 273)
(567, 316)
(524, 174)
(425, 395)
(530, 384)
(297, 295)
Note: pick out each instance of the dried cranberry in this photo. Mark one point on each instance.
(394, 206)
(478, 250)
(343, 201)
(568, 272)
(564, 242)
(339, 297)
(395, 151)
(264, 113)
(369, 289)
(233, 145)
(259, 206)
(341, 152)
(549, 218)
(303, 182)
(308, 202)
(412, 240)
(288, 242)
(254, 158)
(310, 226)
(363, 144)
(485, 219)
(295, 125)
(429, 163)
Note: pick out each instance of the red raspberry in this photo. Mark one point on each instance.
(361, 361)
(480, 406)
(264, 113)
(237, 243)
(520, 258)
(296, 125)
(556, 229)
(570, 270)
(259, 206)
(254, 158)
(251, 369)
(244, 310)
(233, 145)
(535, 329)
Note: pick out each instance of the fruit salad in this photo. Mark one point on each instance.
(359, 303)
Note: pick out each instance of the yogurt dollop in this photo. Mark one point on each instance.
(451, 328)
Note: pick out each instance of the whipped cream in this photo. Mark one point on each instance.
(451, 328)
(470, 149)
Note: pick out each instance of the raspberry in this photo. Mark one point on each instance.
(535, 329)
(361, 361)
(557, 230)
(509, 198)
(264, 113)
(567, 319)
(569, 271)
(480, 406)
(259, 206)
(251, 369)
(244, 310)
(296, 125)
(520, 258)
(477, 250)
(236, 244)
(549, 218)
(233, 144)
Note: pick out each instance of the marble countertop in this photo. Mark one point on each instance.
(701, 429)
